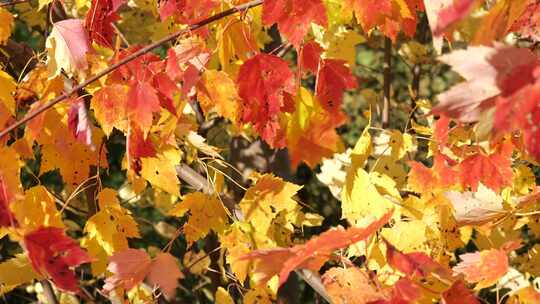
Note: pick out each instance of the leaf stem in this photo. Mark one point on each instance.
(133, 56)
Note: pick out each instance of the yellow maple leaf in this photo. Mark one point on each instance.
(16, 271)
(6, 25)
(160, 171)
(61, 150)
(109, 105)
(408, 236)
(112, 225)
(216, 90)
(7, 85)
(100, 257)
(257, 296)
(223, 297)
(37, 209)
(206, 213)
(265, 199)
(239, 240)
(363, 195)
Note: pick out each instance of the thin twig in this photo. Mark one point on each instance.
(133, 56)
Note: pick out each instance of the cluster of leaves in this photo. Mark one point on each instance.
(445, 210)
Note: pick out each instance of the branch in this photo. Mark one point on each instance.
(387, 82)
(133, 56)
(200, 183)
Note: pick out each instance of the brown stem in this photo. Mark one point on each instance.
(49, 292)
(387, 82)
(133, 56)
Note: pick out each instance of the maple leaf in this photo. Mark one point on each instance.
(520, 111)
(493, 170)
(403, 291)
(164, 272)
(186, 11)
(6, 25)
(364, 193)
(53, 253)
(265, 84)
(494, 71)
(16, 271)
(206, 213)
(485, 267)
(422, 179)
(9, 185)
(310, 56)
(293, 17)
(351, 285)
(6, 94)
(458, 293)
(112, 224)
(129, 267)
(265, 199)
(38, 209)
(390, 16)
(160, 171)
(476, 208)
(99, 21)
(217, 90)
(67, 46)
(223, 297)
(311, 255)
(142, 102)
(110, 107)
(415, 263)
(452, 12)
(60, 150)
(333, 78)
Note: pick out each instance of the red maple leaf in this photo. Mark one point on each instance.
(265, 84)
(520, 111)
(311, 56)
(53, 253)
(415, 263)
(311, 255)
(99, 20)
(389, 16)
(333, 78)
(488, 72)
(453, 13)
(404, 291)
(423, 179)
(493, 170)
(458, 293)
(294, 16)
(187, 11)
